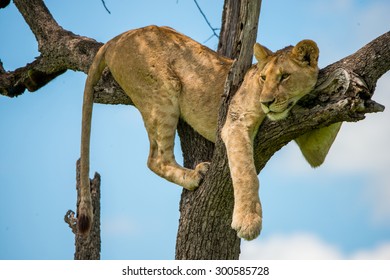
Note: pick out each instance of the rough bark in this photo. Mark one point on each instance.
(228, 37)
(343, 93)
(60, 50)
(206, 214)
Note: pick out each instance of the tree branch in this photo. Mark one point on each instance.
(105, 7)
(4, 3)
(60, 50)
(87, 248)
(370, 62)
(40, 21)
(31, 77)
(227, 40)
(207, 21)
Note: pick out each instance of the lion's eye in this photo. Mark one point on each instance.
(284, 76)
(263, 77)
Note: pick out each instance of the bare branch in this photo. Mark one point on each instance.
(60, 50)
(40, 21)
(104, 4)
(370, 62)
(71, 220)
(207, 21)
(14, 83)
(4, 3)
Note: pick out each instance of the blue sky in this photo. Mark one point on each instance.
(338, 211)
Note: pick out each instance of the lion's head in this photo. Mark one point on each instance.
(286, 76)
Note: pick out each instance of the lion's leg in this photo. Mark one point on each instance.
(247, 213)
(161, 123)
(315, 144)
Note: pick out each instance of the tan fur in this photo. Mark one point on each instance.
(315, 144)
(169, 76)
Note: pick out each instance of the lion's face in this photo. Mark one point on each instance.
(286, 76)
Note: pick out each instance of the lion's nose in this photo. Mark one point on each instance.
(268, 103)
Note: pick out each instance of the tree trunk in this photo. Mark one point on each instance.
(206, 214)
(87, 248)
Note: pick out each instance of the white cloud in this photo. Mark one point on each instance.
(381, 252)
(377, 194)
(300, 246)
(306, 246)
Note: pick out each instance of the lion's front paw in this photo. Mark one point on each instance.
(248, 225)
(198, 175)
(202, 168)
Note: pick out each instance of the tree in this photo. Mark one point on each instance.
(343, 94)
(215, 237)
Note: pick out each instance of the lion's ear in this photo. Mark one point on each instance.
(306, 51)
(261, 53)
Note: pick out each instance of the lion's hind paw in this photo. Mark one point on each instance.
(198, 175)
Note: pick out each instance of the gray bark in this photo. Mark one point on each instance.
(206, 214)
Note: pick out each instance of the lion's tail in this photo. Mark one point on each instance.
(85, 209)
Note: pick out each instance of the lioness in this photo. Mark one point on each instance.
(169, 76)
